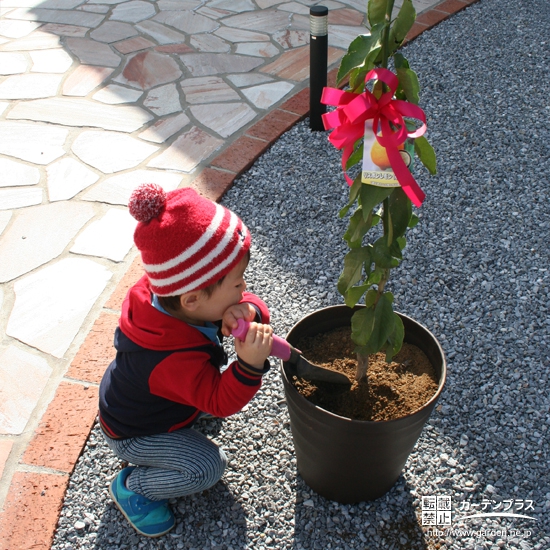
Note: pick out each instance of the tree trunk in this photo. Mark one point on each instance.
(362, 366)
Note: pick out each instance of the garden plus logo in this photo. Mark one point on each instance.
(437, 514)
(436, 510)
(507, 508)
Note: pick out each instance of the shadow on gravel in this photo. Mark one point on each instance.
(388, 522)
(199, 518)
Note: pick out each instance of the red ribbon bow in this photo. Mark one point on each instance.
(353, 110)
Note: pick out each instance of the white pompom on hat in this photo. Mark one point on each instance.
(187, 242)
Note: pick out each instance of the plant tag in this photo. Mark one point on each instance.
(376, 164)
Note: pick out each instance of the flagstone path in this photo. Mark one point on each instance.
(97, 97)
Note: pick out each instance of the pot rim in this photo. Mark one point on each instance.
(430, 403)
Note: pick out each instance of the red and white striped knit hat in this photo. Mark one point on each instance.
(187, 242)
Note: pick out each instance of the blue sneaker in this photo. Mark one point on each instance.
(151, 518)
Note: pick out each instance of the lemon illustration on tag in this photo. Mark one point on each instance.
(379, 156)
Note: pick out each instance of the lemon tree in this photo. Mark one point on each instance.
(367, 265)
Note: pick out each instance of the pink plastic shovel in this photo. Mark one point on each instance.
(302, 367)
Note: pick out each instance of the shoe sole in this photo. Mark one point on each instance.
(111, 492)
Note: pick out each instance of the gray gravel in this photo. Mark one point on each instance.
(476, 273)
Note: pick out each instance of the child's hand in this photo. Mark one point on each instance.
(232, 314)
(256, 347)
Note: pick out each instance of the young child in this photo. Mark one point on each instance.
(166, 373)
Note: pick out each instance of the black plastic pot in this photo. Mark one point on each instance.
(348, 460)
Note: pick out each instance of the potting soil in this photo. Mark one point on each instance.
(390, 390)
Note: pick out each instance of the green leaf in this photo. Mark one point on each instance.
(353, 268)
(395, 250)
(358, 50)
(355, 157)
(383, 326)
(395, 339)
(413, 221)
(426, 154)
(371, 195)
(360, 58)
(344, 211)
(376, 276)
(362, 325)
(370, 298)
(382, 255)
(376, 12)
(400, 212)
(408, 80)
(357, 74)
(400, 61)
(357, 228)
(353, 194)
(402, 24)
(353, 295)
(402, 242)
(378, 89)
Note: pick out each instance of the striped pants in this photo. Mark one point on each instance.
(170, 465)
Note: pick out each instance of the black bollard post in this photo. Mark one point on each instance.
(318, 61)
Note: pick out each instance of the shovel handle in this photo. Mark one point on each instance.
(280, 348)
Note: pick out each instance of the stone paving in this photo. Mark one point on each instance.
(97, 97)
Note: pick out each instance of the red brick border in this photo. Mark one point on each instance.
(31, 512)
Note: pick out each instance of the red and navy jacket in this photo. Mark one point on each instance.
(166, 372)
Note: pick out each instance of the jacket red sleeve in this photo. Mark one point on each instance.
(189, 378)
(259, 304)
